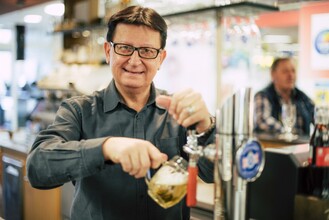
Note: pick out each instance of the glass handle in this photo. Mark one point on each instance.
(148, 177)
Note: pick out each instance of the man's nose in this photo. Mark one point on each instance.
(134, 58)
(292, 73)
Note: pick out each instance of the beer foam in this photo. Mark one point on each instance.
(168, 177)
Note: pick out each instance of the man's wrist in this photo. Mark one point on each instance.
(210, 128)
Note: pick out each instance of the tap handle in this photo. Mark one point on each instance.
(191, 185)
(191, 149)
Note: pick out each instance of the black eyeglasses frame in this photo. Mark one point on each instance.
(134, 49)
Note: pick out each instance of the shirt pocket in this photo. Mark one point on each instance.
(169, 146)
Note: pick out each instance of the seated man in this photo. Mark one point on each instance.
(282, 89)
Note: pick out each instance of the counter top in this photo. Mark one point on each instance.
(274, 140)
(20, 140)
(205, 195)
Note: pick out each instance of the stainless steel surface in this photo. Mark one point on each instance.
(237, 109)
(234, 129)
(224, 117)
(243, 110)
(233, 133)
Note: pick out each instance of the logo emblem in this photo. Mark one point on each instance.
(321, 42)
(250, 160)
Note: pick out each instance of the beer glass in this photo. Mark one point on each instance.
(168, 185)
(288, 119)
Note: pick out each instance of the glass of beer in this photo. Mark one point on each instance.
(168, 185)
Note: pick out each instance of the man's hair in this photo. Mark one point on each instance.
(277, 61)
(138, 15)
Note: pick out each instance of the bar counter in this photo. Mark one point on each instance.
(273, 140)
(18, 200)
(16, 145)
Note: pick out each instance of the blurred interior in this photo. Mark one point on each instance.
(214, 46)
(241, 44)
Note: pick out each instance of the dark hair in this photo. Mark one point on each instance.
(138, 15)
(277, 61)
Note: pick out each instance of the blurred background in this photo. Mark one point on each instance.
(52, 50)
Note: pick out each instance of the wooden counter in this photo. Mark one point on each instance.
(205, 195)
(273, 140)
(37, 204)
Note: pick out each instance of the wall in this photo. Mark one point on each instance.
(315, 80)
(311, 79)
(191, 56)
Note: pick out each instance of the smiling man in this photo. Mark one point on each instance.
(106, 142)
(282, 89)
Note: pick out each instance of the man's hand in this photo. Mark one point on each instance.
(136, 156)
(188, 108)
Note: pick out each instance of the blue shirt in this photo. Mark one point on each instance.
(71, 150)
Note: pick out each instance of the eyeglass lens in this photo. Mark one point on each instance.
(127, 50)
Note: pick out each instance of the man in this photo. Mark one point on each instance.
(281, 90)
(105, 143)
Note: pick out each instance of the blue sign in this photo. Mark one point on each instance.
(250, 160)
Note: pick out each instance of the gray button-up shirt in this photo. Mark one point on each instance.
(71, 150)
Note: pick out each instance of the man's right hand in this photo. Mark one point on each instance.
(136, 156)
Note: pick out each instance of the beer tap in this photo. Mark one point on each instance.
(237, 156)
(194, 152)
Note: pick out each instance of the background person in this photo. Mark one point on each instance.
(282, 89)
(106, 142)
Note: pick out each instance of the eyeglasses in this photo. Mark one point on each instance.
(128, 50)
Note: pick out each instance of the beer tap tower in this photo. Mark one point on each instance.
(238, 157)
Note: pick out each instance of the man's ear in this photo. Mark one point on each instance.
(107, 49)
(163, 55)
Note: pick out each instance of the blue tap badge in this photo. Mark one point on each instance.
(250, 160)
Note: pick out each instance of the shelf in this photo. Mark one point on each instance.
(237, 9)
(81, 28)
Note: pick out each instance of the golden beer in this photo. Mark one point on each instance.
(168, 185)
(167, 195)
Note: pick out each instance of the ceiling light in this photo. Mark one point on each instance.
(56, 9)
(32, 19)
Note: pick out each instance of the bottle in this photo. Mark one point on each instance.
(318, 181)
(319, 141)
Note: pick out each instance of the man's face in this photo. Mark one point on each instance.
(284, 77)
(134, 72)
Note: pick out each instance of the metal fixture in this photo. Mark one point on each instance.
(238, 157)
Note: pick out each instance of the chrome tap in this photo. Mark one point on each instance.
(237, 157)
(194, 152)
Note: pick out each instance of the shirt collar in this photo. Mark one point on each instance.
(157, 93)
(293, 92)
(112, 97)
